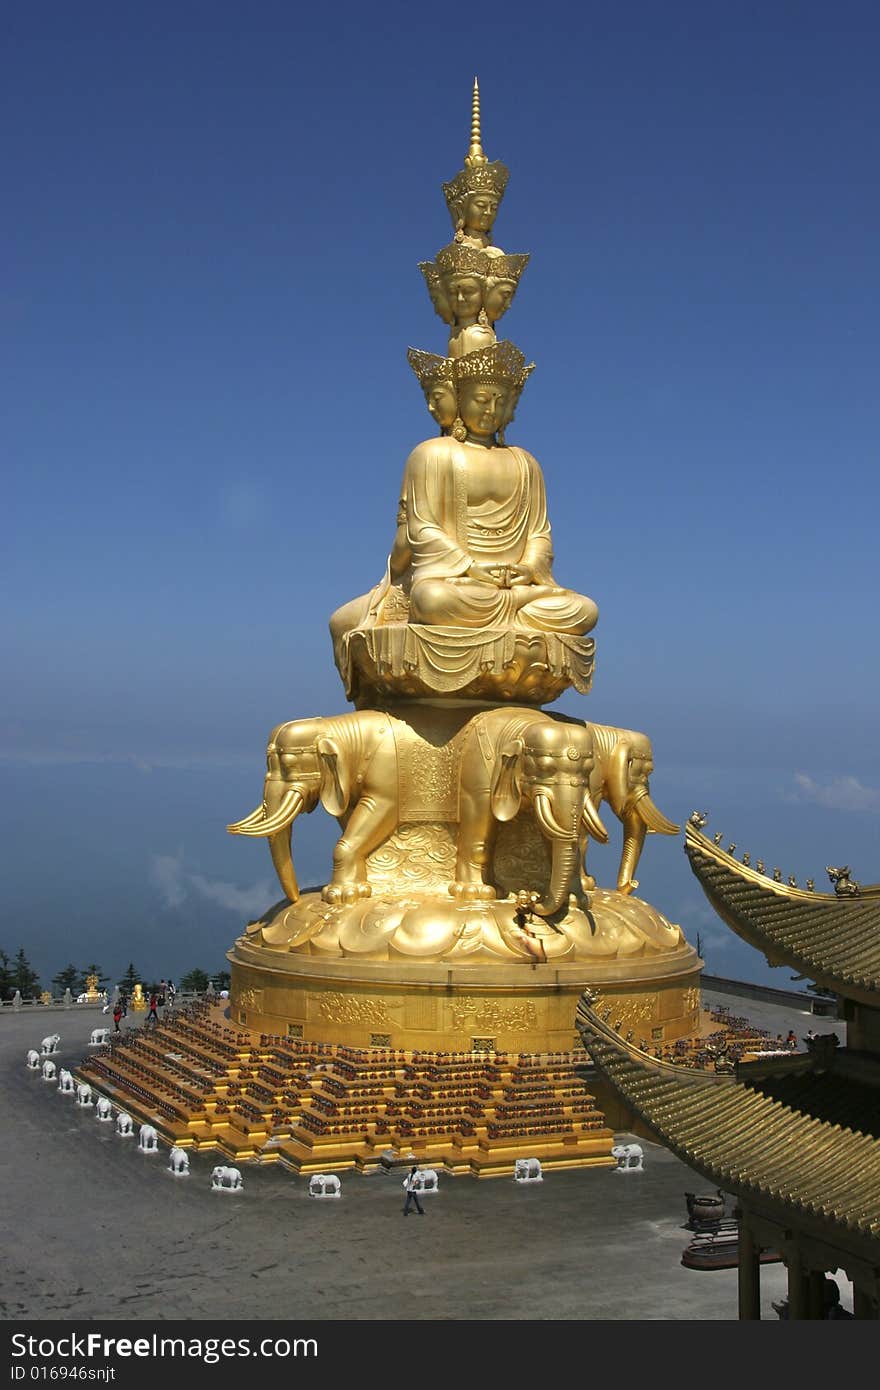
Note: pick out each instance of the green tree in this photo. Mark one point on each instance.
(68, 978)
(24, 977)
(6, 985)
(223, 979)
(131, 978)
(195, 980)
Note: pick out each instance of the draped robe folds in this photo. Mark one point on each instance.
(446, 531)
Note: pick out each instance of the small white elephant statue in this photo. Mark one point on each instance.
(178, 1162)
(629, 1158)
(225, 1179)
(84, 1094)
(50, 1044)
(66, 1083)
(103, 1110)
(426, 1180)
(124, 1125)
(528, 1170)
(48, 1070)
(99, 1037)
(33, 1059)
(324, 1185)
(148, 1140)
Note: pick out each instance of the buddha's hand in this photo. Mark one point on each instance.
(488, 574)
(522, 574)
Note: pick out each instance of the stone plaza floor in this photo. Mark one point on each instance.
(92, 1229)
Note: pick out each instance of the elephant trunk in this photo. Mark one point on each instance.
(565, 855)
(634, 831)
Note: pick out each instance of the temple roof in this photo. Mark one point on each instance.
(801, 1135)
(832, 940)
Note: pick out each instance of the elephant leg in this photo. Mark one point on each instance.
(476, 836)
(372, 821)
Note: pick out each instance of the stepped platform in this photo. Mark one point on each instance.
(321, 1107)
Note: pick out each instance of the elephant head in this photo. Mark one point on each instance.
(304, 764)
(549, 763)
(624, 762)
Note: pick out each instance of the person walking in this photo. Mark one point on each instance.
(153, 1015)
(170, 993)
(117, 1015)
(412, 1192)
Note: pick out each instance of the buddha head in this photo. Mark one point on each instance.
(461, 271)
(434, 281)
(474, 195)
(488, 382)
(436, 377)
(501, 284)
(483, 407)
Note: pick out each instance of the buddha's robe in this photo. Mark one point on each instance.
(460, 504)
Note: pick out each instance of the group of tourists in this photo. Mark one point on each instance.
(161, 997)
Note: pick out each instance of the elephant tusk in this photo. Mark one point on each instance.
(239, 827)
(291, 805)
(546, 819)
(590, 817)
(654, 819)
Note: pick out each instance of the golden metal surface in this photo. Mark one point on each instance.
(465, 809)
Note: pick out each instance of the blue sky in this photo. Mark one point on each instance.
(214, 219)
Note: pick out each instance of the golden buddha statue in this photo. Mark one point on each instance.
(466, 810)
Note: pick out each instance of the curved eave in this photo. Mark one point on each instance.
(834, 941)
(743, 1140)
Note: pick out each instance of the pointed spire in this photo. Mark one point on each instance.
(475, 154)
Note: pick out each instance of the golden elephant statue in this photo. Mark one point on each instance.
(349, 763)
(622, 763)
(516, 755)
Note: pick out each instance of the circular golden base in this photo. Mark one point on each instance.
(340, 983)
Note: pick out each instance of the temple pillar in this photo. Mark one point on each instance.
(749, 1277)
(797, 1286)
(815, 1283)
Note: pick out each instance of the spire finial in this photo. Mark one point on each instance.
(475, 153)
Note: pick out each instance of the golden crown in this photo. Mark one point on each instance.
(500, 362)
(507, 267)
(458, 259)
(478, 175)
(429, 368)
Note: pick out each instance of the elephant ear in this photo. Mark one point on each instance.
(335, 787)
(506, 790)
(616, 776)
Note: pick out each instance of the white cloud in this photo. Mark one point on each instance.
(840, 794)
(176, 884)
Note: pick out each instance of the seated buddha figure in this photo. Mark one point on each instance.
(473, 546)
(476, 516)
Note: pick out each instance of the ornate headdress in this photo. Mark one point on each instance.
(456, 259)
(506, 267)
(478, 175)
(429, 368)
(502, 362)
